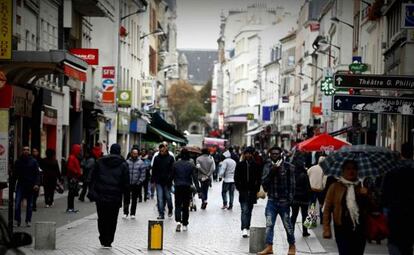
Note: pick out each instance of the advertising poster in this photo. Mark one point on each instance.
(4, 144)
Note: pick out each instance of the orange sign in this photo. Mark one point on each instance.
(6, 26)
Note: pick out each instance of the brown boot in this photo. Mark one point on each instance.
(292, 249)
(267, 250)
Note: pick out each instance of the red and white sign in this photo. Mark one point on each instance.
(213, 97)
(91, 56)
(108, 72)
(74, 72)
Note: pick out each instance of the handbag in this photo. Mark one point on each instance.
(261, 194)
(311, 220)
(376, 227)
(59, 187)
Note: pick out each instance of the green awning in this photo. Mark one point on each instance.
(167, 136)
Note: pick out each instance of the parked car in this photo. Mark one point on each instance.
(9, 244)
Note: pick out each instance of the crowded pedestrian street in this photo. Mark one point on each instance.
(210, 231)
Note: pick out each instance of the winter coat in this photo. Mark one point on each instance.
(206, 166)
(279, 182)
(334, 206)
(137, 169)
(73, 165)
(26, 172)
(398, 198)
(162, 169)
(51, 172)
(247, 180)
(184, 173)
(109, 180)
(316, 178)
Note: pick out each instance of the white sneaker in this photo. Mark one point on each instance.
(185, 228)
(132, 217)
(125, 216)
(245, 233)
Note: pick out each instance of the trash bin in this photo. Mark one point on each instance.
(155, 235)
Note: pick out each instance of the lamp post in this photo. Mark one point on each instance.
(335, 19)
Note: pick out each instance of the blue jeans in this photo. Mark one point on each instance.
(228, 187)
(163, 197)
(21, 193)
(246, 214)
(273, 208)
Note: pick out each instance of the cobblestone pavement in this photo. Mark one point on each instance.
(213, 231)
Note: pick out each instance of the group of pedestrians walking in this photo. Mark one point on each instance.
(112, 182)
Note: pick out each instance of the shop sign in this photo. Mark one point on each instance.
(4, 144)
(250, 116)
(90, 56)
(407, 15)
(123, 122)
(108, 72)
(22, 101)
(124, 98)
(221, 121)
(50, 115)
(6, 26)
(108, 89)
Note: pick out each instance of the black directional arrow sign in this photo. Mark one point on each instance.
(371, 104)
(363, 81)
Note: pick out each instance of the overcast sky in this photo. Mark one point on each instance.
(198, 21)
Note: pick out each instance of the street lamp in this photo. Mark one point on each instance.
(335, 19)
(156, 32)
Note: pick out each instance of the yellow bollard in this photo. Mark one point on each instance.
(155, 235)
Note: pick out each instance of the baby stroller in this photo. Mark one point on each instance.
(193, 206)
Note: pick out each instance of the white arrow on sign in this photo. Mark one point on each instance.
(338, 102)
(339, 80)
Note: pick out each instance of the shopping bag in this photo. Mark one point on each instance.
(261, 194)
(376, 227)
(311, 220)
(59, 187)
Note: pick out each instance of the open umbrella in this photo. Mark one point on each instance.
(193, 149)
(371, 160)
(322, 142)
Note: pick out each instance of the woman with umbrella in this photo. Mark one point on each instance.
(347, 200)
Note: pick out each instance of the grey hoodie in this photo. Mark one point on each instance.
(206, 166)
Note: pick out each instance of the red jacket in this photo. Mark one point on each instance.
(73, 166)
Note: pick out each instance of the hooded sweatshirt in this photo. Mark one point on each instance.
(73, 166)
(206, 167)
(227, 168)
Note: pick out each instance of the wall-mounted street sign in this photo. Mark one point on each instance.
(372, 81)
(358, 67)
(373, 104)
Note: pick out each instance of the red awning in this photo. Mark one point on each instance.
(74, 72)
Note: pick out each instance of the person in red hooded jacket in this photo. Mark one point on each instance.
(73, 174)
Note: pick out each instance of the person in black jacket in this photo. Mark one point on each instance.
(109, 180)
(51, 175)
(247, 178)
(184, 176)
(26, 172)
(302, 193)
(162, 179)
